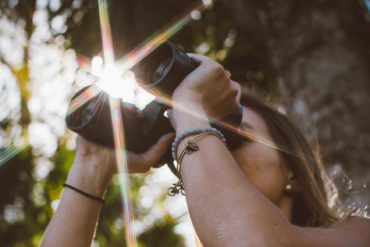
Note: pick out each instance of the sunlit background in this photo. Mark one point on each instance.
(49, 49)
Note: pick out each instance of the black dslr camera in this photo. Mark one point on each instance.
(162, 70)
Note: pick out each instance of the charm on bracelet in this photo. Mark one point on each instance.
(189, 148)
(176, 188)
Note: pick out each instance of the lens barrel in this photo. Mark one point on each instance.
(162, 70)
(93, 120)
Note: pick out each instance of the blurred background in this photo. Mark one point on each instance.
(312, 57)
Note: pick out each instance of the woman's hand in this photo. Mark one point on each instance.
(207, 92)
(137, 163)
(95, 165)
(75, 220)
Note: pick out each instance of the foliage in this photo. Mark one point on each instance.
(273, 45)
(28, 199)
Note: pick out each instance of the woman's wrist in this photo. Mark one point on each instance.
(189, 113)
(186, 121)
(90, 175)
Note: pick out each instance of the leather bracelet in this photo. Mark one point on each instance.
(95, 198)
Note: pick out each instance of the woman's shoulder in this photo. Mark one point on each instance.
(354, 224)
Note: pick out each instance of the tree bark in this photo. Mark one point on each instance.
(319, 54)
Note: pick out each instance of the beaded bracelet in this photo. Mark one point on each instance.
(189, 148)
(191, 132)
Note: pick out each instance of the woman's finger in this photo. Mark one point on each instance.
(199, 58)
(153, 155)
(238, 88)
(171, 118)
(228, 74)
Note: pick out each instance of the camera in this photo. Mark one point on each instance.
(163, 69)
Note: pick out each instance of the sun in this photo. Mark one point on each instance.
(117, 83)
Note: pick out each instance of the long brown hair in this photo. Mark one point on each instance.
(311, 204)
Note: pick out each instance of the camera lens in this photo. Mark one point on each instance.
(85, 113)
(155, 66)
(161, 70)
(164, 68)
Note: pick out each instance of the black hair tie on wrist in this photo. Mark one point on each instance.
(84, 193)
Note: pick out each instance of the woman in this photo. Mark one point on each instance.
(254, 195)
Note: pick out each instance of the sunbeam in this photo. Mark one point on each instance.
(83, 98)
(118, 128)
(248, 134)
(124, 64)
(8, 153)
(115, 69)
(119, 142)
(106, 34)
(163, 34)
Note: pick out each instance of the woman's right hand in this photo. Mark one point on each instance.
(208, 91)
(95, 164)
(136, 163)
(75, 220)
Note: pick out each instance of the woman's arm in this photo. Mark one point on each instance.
(75, 220)
(227, 210)
(76, 217)
(225, 207)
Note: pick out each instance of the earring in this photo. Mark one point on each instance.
(288, 187)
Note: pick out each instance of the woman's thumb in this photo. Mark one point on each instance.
(155, 152)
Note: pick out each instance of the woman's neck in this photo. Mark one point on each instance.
(286, 205)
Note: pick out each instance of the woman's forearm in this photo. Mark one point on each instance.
(224, 206)
(76, 217)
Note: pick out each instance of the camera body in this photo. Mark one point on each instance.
(162, 70)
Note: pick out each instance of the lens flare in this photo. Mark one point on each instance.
(106, 34)
(252, 135)
(123, 65)
(83, 62)
(136, 55)
(121, 161)
(96, 65)
(151, 43)
(8, 153)
(248, 134)
(83, 98)
(118, 129)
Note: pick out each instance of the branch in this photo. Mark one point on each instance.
(3, 61)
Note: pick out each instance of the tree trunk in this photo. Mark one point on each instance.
(319, 52)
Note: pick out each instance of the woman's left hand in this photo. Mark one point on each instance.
(207, 92)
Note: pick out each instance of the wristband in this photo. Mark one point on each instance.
(101, 200)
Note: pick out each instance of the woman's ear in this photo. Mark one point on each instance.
(292, 185)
